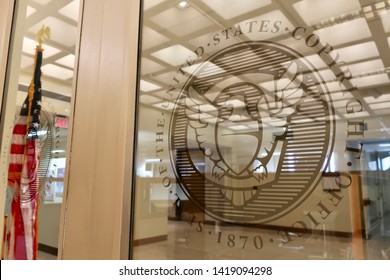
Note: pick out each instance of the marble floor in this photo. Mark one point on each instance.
(227, 242)
(220, 242)
(46, 256)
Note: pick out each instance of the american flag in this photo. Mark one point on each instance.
(23, 172)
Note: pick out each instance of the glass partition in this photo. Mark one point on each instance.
(56, 23)
(263, 130)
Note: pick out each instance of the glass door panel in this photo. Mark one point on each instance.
(58, 22)
(255, 126)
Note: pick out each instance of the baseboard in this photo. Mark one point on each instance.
(281, 228)
(48, 249)
(150, 240)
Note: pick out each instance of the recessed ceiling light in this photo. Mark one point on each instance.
(183, 4)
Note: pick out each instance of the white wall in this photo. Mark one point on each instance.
(49, 217)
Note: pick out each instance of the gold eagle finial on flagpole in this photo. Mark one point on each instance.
(42, 33)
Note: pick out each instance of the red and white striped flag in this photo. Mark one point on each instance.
(23, 173)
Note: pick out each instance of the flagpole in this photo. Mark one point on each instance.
(24, 165)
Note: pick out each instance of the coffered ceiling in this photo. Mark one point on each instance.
(59, 51)
(358, 30)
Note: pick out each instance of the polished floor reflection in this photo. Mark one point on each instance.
(231, 242)
(185, 243)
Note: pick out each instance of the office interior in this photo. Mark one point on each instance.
(114, 75)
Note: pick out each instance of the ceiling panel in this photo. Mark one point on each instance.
(385, 17)
(42, 2)
(346, 32)
(181, 21)
(358, 51)
(358, 31)
(71, 10)
(62, 32)
(314, 11)
(67, 61)
(229, 9)
(151, 38)
(173, 55)
(58, 72)
(29, 48)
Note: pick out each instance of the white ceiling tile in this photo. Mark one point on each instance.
(316, 61)
(149, 66)
(173, 55)
(327, 75)
(56, 72)
(181, 21)
(30, 11)
(345, 32)
(71, 10)
(61, 32)
(146, 86)
(148, 4)
(313, 11)
(165, 78)
(152, 38)
(385, 17)
(366, 67)
(373, 80)
(147, 99)
(377, 96)
(42, 2)
(67, 61)
(228, 9)
(29, 47)
(358, 52)
(26, 61)
(382, 105)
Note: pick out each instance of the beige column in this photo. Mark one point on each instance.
(95, 218)
(6, 10)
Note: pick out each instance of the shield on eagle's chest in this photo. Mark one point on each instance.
(239, 148)
(239, 136)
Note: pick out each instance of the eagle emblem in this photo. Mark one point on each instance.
(240, 118)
